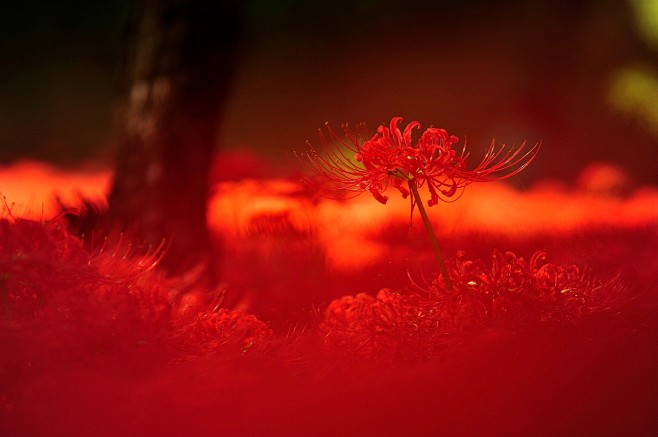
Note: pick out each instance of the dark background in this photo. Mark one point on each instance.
(514, 70)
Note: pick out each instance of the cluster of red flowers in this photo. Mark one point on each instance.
(510, 293)
(58, 299)
(391, 157)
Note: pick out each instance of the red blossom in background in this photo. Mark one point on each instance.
(391, 157)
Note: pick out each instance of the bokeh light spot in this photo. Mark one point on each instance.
(634, 93)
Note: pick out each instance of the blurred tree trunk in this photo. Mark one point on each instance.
(176, 75)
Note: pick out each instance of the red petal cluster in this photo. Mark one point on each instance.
(513, 289)
(509, 292)
(224, 330)
(392, 157)
(51, 287)
(58, 300)
(391, 326)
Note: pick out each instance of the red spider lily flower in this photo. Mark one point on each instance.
(391, 157)
(507, 293)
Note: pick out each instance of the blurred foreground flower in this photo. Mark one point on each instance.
(222, 331)
(391, 157)
(59, 301)
(62, 297)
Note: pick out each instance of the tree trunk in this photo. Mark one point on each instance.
(177, 73)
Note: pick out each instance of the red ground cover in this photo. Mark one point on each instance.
(338, 325)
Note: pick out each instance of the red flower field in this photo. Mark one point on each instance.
(331, 319)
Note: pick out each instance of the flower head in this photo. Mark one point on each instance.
(392, 156)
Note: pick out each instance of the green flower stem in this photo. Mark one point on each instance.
(413, 186)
